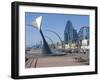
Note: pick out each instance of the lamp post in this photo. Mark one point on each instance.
(51, 41)
(37, 24)
(58, 37)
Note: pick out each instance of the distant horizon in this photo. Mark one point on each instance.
(54, 22)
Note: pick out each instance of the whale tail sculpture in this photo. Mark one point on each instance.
(37, 24)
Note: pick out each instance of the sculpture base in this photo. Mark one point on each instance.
(54, 54)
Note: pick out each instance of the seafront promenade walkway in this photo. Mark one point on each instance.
(56, 61)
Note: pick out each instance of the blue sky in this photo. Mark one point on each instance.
(54, 22)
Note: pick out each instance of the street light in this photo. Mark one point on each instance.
(51, 41)
(58, 37)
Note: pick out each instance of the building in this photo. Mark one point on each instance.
(83, 35)
(70, 34)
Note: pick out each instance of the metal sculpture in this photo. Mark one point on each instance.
(37, 24)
